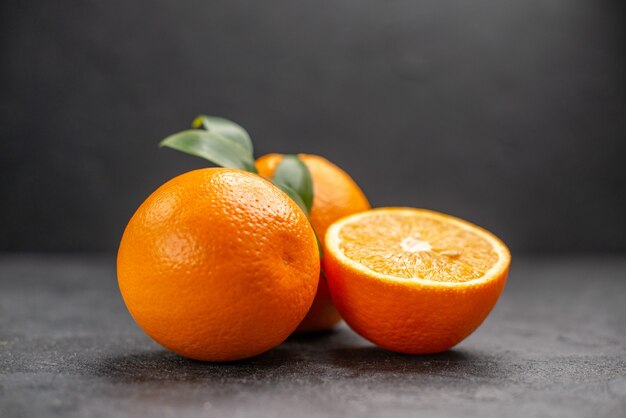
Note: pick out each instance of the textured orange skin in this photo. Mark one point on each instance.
(409, 316)
(218, 265)
(335, 195)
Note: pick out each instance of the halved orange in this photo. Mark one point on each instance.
(413, 280)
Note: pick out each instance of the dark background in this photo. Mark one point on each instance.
(511, 114)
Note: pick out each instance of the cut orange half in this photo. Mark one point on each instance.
(413, 280)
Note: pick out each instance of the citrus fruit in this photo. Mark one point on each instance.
(412, 280)
(335, 195)
(218, 265)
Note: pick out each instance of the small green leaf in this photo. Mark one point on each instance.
(211, 146)
(292, 194)
(292, 172)
(226, 128)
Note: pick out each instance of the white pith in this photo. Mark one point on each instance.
(413, 244)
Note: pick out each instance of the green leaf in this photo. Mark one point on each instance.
(292, 194)
(226, 128)
(292, 172)
(213, 147)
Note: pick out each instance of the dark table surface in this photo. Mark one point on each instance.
(555, 345)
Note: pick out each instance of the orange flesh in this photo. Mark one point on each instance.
(415, 247)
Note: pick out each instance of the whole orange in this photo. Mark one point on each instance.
(218, 265)
(335, 195)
